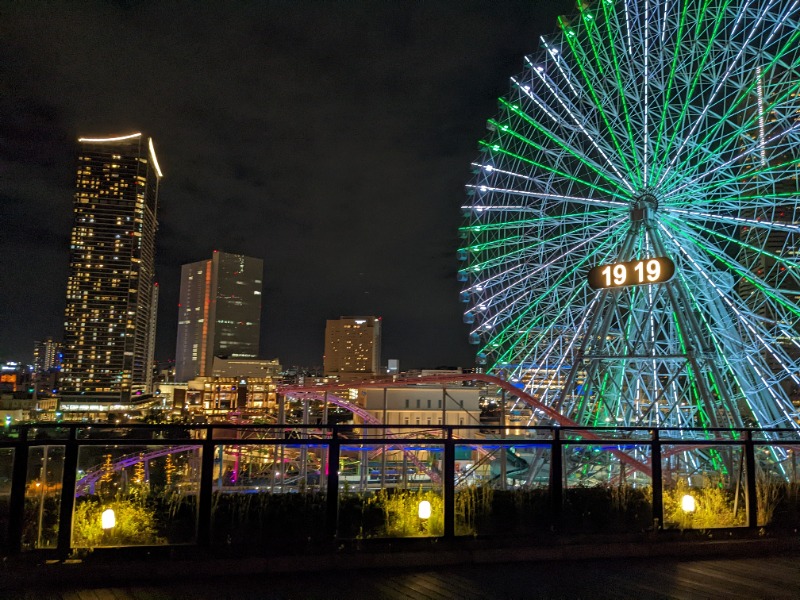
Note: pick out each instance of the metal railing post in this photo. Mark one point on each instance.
(556, 477)
(19, 476)
(205, 495)
(332, 496)
(657, 480)
(68, 480)
(449, 484)
(751, 496)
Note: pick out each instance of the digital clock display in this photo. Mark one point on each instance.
(635, 272)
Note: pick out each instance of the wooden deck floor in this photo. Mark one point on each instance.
(750, 578)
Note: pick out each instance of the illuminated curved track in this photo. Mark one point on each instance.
(87, 483)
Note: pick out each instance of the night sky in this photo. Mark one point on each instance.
(332, 140)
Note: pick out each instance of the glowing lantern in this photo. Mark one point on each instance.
(108, 519)
(424, 510)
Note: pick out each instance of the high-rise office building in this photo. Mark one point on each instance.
(46, 355)
(219, 312)
(108, 328)
(352, 347)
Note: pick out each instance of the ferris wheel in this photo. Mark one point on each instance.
(630, 252)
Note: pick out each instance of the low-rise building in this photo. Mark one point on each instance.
(424, 405)
(245, 367)
(220, 396)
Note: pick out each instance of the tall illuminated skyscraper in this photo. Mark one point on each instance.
(352, 347)
(109, 328)
(219, 312)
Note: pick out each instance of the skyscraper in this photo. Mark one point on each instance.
(352, 347)
(219, 312)
(47, 355)
(108, 328)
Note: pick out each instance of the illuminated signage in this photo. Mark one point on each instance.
(635, 272)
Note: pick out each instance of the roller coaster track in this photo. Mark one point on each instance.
(526, 398)
(86, 484)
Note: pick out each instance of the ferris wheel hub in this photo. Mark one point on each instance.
(644, 206)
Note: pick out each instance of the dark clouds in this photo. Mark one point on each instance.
(332, 140)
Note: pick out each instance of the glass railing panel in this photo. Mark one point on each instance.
(42, 496)
(136, 495)
(502, 489)
(138, 433)
(789, 436)
(702, 435)
(704, 486)
(608, 488)
(268, 494)
(609, 433)
(42, 433)
(390, 490)
(6, 468)
(778, 485)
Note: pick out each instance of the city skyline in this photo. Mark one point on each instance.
(332, 141)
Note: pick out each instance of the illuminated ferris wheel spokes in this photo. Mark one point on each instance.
(643, 130)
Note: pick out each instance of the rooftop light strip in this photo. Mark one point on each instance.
(761, 133)
(744, 127)
(153, 156)
(110, 139)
